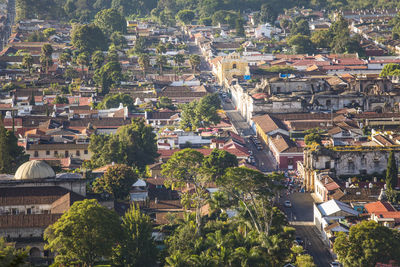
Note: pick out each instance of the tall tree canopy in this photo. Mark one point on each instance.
(11, 155)
(186, 167)
(117, 181)
(88, 38)
(202, 113)
(109, 21)
(108, 75)
(392, 171)
(367, 244)
(137, 247)
(84, 234)
(134, 145)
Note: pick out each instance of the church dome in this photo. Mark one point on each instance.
(34, 169)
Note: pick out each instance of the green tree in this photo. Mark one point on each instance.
(117, 181)
(366, 244)
(301, 44)
(133, 144)
(201, 113)
(185, 16)
(179, 59)
(218, 161)
(11, 155)
(301, 27)
(46, 57)
(161, 60)
(97, 59)
(305, 261)
(108, 75)
(390, 69)
(71, 73)
(61, 100)
(239, 27)
(118, 40)
(10, 256)
(109, 21)
(313, 137)
(114, 100)
(88, 38)
(49, 32)
(186, 167)
(266, 14)
(161, 49)
(321, 39)
(165, 102)
(83, 235)
(65, 58)
(391, 172)
(144, 62)
(137, 247)
(27, 62)
(83, 60)
(195, 61)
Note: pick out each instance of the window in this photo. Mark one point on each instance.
(47, 152)
(234, 66)
(28, 211)
(363, 161)
(14, 211)
(78, 153)
(66, 153)
(55, 153)
(350, 166)
(376, 163)
(85, 152)
(290, 161)
(278, 89)
(328, 103)
(327, 165)
(36, 154)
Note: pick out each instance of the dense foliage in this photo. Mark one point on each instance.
(202, 113)
(166, 10)
(10, 256)
(367, 244)
(116, 181)
(89, 233)
(133, 144)
(11, 155)
(71, 238)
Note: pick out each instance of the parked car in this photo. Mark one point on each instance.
(287, 203)
(336, 264)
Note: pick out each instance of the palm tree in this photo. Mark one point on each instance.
(27, 62)
(83, 59)
(177, 260)
(179, 59)
(46, 56)
(161, 61)
(203, 260)
(195, 61)
(144, 62)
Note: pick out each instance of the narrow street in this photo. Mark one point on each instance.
(301, 216)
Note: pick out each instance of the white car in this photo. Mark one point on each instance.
(287, 203)
(336, 264)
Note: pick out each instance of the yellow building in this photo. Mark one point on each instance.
(230, 67)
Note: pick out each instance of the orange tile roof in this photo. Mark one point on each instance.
(379, 206)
